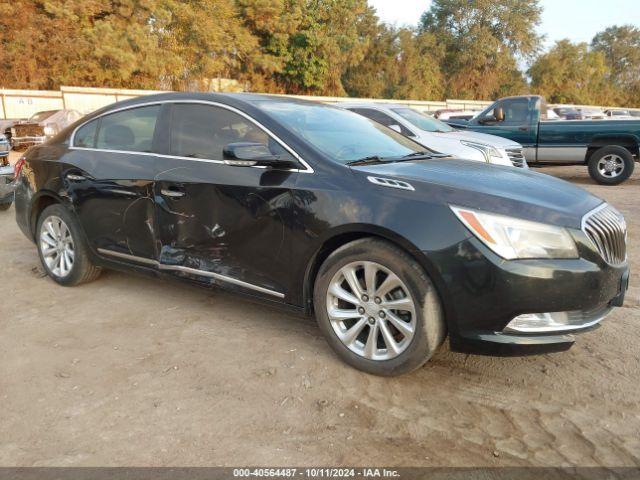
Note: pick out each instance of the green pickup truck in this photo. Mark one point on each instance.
(608, 147)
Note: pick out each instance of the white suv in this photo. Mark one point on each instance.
(439, 136)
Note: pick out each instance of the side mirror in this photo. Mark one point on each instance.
(498, 113)
(249, 154)
(396, 128)
(487, 120)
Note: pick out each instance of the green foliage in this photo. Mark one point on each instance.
(571, 73)
(621, 49)
(483, 40)
(461, 49)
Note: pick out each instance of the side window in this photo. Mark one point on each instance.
(515, 111)
(202, 131)
(129, 130)
(85, 136)
(383, 118)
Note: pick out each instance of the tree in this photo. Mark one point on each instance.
(483, 41)
(571, 73)
(621, 48)
(418, 67)
(374, 75)
(327, 42)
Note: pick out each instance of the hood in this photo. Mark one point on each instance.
(505, 190)
(492, 140)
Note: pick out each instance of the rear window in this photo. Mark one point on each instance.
(130, 130)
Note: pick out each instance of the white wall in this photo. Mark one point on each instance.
(24, 103)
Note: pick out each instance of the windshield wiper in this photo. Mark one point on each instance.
(366, 161)
(423, 153)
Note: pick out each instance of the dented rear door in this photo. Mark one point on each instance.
(110, 172)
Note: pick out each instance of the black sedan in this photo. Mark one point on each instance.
(390, 245)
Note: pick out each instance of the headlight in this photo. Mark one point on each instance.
(515, 238)
(487, 150)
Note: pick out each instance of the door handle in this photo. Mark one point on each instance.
(523, 129)
(75, 177)
(172, 193)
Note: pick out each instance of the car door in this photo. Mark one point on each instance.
(519, 122)
(222, 224)
(109, 173)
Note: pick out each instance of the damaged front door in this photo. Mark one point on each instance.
(222, 224)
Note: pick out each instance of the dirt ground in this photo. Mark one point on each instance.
(135, 371)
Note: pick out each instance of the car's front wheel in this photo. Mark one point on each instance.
(377, 308)
(63, 252)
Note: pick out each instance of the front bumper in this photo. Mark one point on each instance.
(27, 141)
(483, 294)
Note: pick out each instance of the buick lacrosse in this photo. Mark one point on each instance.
(391, 246)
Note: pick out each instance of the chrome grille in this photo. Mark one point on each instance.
(517, 157)
(606, 228)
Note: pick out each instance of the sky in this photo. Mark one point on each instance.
(578, 20)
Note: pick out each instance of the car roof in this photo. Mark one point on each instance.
(370, 105)
(243, 101)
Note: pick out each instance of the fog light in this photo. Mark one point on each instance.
(556, 321)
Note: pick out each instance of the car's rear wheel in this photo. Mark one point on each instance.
(611, 165)
(62, 249)
(4, 206)
(377, 308)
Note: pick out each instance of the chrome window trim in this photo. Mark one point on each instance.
(307, 169)
(192, 271)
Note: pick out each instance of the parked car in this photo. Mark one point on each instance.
(609, 148)
(634, 113)
(591, 113)
(6, 187)
(618, 114)
(567, 113)
(438, 136)
(322, 210)
(6, 175)
(5, 147)
(40, 127)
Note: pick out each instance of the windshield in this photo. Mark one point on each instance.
(40, 116)
(422, 121)
(342, 135)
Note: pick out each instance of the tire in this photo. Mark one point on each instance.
(81, 268)
(426, 320)
(611, 165)
(4, 207)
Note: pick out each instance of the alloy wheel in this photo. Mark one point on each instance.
(611, 166)
(56, 245)
(371, 310)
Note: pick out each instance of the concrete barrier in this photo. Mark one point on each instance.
(24, 103)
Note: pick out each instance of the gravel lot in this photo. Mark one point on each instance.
(134, 371)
